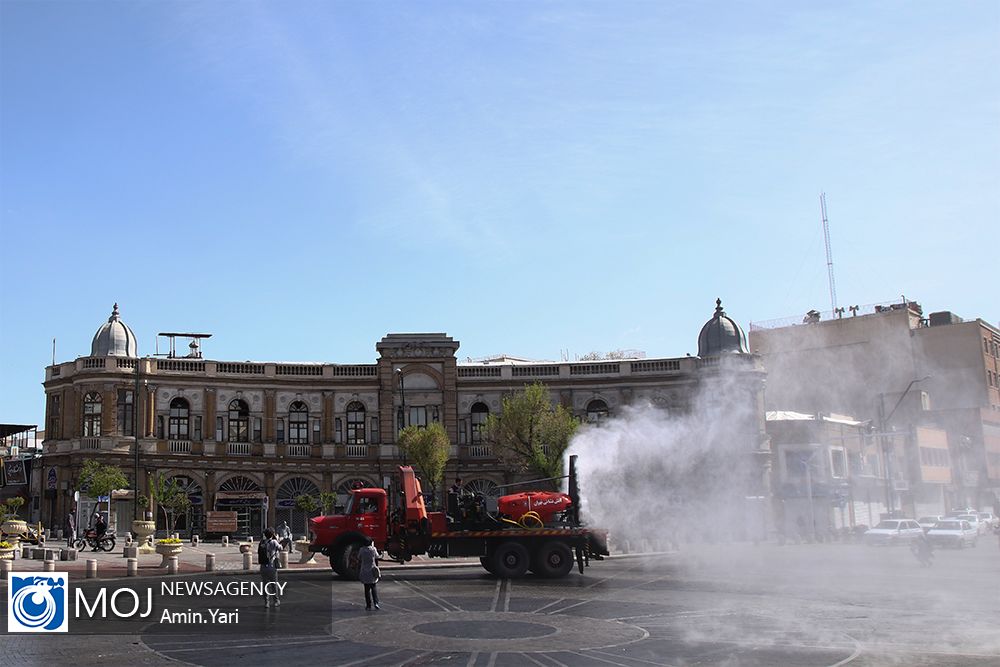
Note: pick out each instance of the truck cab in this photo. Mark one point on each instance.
(339, 536)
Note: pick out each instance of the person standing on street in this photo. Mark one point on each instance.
(369, 573)
(70, 528)
(285, 536)
(267, 556)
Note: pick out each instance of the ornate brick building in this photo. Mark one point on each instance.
(252, 436)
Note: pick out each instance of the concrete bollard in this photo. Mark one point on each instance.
(5, 566)
(25, 553)
(195, 540)
(128, 539)
(132, 567)
(49, 554)
(172, 565)
(48, 566)
(247, 561)
(209, 562)
(91, 569)
(130, 551)
(225, 540)
(283, 559)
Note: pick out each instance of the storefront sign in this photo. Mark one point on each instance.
(52, 480)
(16, 474)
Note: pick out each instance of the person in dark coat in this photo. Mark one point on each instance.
(368, 573)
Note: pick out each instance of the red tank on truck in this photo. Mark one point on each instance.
(537, 531)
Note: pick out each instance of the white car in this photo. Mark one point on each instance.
(980, 527)
(894, 531)
(989, 518)
(953, 533)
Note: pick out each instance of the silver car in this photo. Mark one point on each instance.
(894, 531)
(953, 533)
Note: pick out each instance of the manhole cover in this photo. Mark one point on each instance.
(484, 629)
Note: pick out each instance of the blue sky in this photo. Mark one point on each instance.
(535, 178)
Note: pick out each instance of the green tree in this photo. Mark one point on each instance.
(428, 448)
(172, 500)
(327, 501)
(306, 503)
(530, 433)
(100, 479)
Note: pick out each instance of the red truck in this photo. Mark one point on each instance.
(543, 534)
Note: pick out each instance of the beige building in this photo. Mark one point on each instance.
(927, 387)
(250, 437)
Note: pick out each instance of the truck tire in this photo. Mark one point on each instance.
(554, 559)
(344, 561)
(510, 560)
(487, 564)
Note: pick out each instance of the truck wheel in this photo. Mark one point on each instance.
(487, 564)
(349, 563)
(510, 560)
(552, 560)
(335, 562)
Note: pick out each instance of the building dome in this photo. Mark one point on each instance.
(114, 339)
(721, 335)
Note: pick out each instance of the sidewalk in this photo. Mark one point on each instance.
(191, 560)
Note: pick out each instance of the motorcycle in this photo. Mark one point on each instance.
(923, 551)
(91, 539)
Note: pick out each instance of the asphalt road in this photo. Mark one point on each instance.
(727, 605)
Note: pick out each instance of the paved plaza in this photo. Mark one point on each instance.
(802, 605)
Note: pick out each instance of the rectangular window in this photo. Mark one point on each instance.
(54, 407)
(256, 429)
(219, 435)
(281, 430)
(197, 427)
(159, 427)
(338, 424)
(462, 438)
(838, 463)
(126, 412)
(374, 430)
(316, 431)
(418, 416)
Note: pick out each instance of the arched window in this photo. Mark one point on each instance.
(239, 421)
(479, 414)
(92, 415)
(298, 423)
(356, 423)
(285, 509)
(597, 411)
(489, 490)
(177, 428)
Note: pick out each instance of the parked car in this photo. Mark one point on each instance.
(894, 531)
(953, 533)
(990, 519)
(927, 522)
(981, 528)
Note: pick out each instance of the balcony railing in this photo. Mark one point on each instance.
(356, 451)
(239, 448)
(179, 446)
(480, 451)
(302, 451)
(90, 443)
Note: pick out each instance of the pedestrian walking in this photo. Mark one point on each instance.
(267, 556)
(70, 528)
(369, 573)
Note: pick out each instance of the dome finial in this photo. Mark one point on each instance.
(718, 308)
(114, 313)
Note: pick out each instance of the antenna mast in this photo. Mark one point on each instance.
(829, 252)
